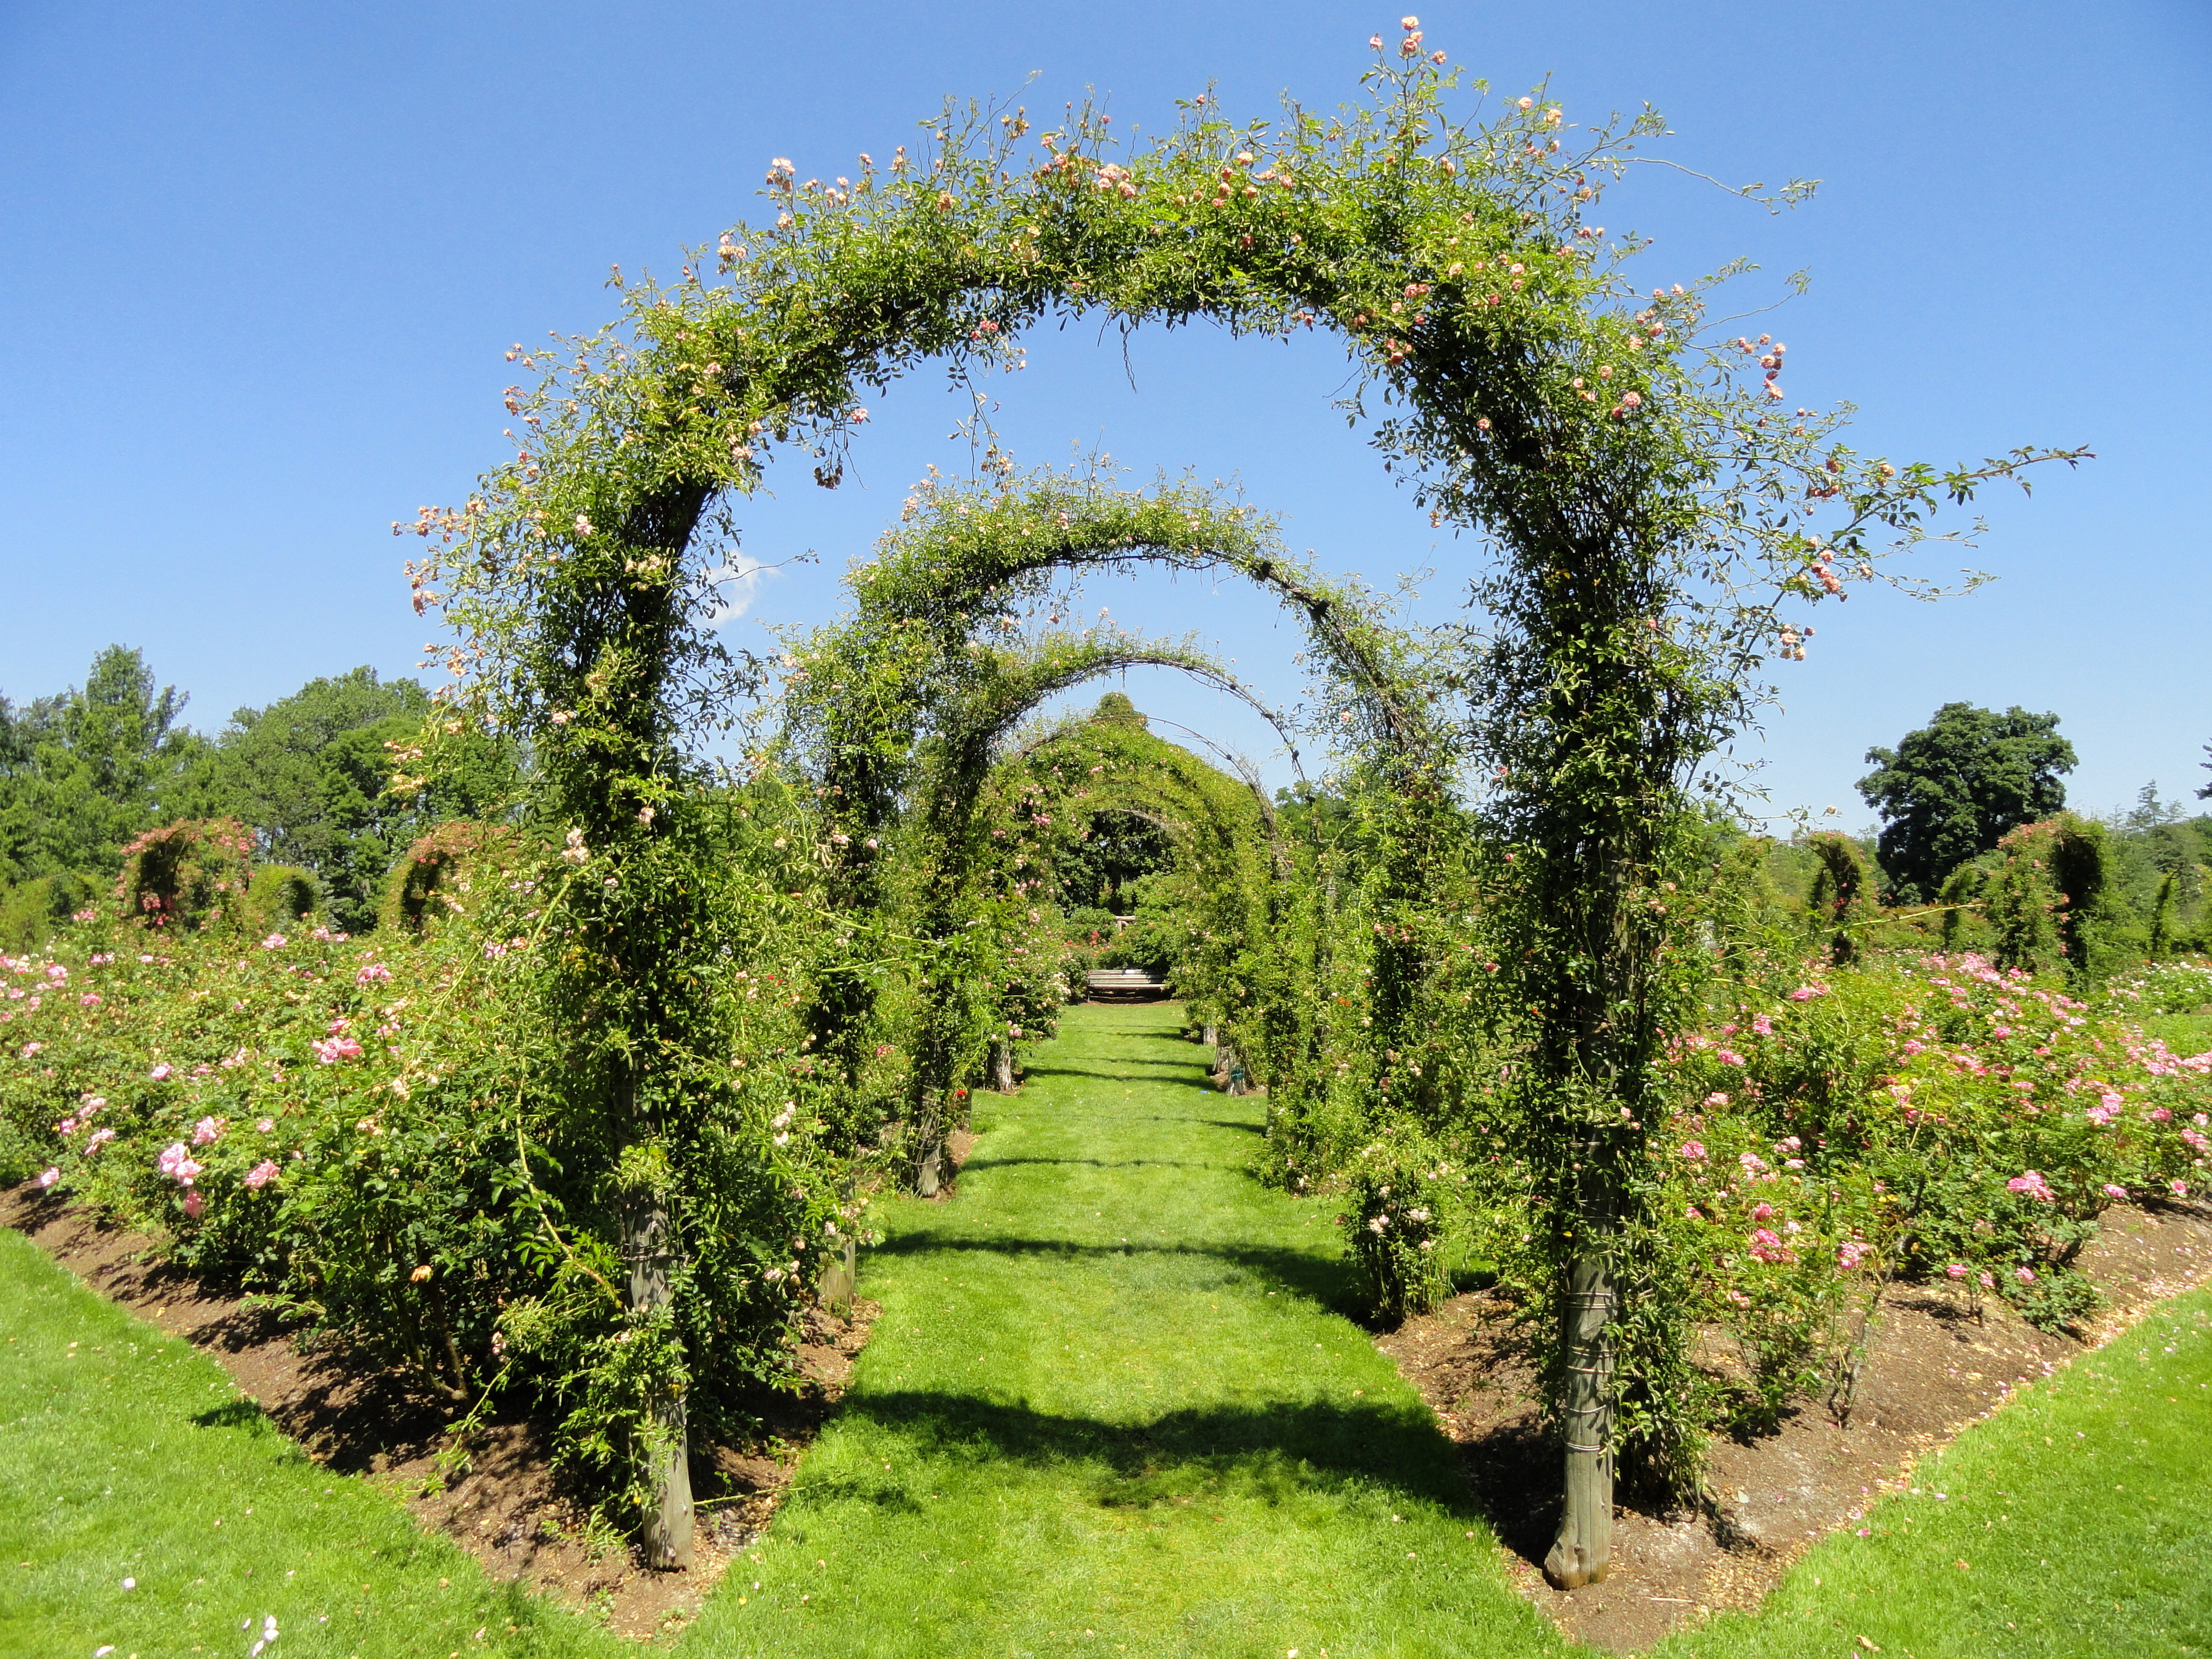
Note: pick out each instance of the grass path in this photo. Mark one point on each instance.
(1107, 1410)
(126, 1455)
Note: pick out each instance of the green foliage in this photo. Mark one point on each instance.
(1841, 898)
(2049, 903)
(1651, 511)
(313, 773)
(1404, 1207)
(82, 772)
(425, 884)
(190, 874)
(280, 895)
(1953, 789)
(31, 913)
(363, 1130)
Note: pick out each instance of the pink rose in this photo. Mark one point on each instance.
(2033, 1185)
(161, 1073)
(1694, 1151)
(262, 1174)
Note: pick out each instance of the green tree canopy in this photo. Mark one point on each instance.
(1952, 790)
(312, 773)
(83, 772)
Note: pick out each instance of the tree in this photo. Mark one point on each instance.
(1953, 789)
(83, 772)
(312, 772)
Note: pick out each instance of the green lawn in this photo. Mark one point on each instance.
(124, 1454)
(1108, 1409)
(2082, 1514)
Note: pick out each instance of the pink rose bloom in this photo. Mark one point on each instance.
(2033, 1185)
(97, 1138)
(333, 1049)
(2115, 1191)
(2160, 1114)
(1751, 1160)
(265, 1125)
(47, 1177)
(1694, 1151)
(1764, 1026)
(1850, 1254)
(90, 999)
(2026, 1275)
(1717, 1099)
(369, 973)
(193, 1205)
(2001, 1030)
(206, 1130)
(262, 1174)
(274, 942)
(1804, 993)
(1729, 1057)
(1955, 1271)
(1762, 1213)
(2181, 1188)
(161, 1073)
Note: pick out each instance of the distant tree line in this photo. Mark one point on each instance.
(1974, 820)
(84, 770)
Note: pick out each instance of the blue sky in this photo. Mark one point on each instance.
(260, 264)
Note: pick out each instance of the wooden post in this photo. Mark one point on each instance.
(1583, 1549)
(668, 1522)
(1002, 1064)
(930, 1136)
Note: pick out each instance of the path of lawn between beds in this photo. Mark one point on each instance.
(1102, 1434)
(1108, 1407)
(124, 1454)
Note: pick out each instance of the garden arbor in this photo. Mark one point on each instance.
(917, 660)
(1624, 481)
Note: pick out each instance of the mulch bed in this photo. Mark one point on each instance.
(1933, 1369)
(503, 1504)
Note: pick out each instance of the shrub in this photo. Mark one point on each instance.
(1405, 1204)
(1946, 1119)
(192, 873)
(280, 895)
(31, 913)
(429, 879)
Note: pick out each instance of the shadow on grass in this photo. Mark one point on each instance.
(1326, 1280)
(1274, 1451)
(1183, 1077)
(979, 1162)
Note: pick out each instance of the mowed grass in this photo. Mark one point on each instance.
(125, 1454)
(1109, 1408)
(2077, 1521)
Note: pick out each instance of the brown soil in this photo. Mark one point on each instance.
(494, 1494)
(1934, 1367)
